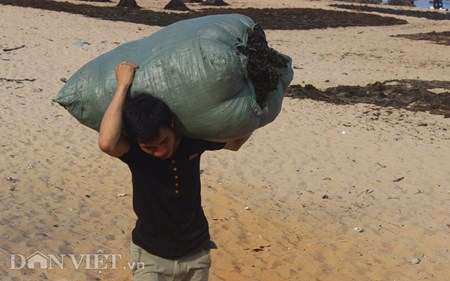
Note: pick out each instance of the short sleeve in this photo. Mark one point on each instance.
(131, 153)
(210, 145)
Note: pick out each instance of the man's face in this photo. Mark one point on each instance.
(163, 146)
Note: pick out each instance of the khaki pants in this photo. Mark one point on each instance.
(148, 267)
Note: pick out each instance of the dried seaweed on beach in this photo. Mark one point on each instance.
(262, 65)
(362, 1)
(432, 15)
(214, 3)
(442, 38)
(280, 19)
(413, 95)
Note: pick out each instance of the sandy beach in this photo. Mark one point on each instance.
(333, 192)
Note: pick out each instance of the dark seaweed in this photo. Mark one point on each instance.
(262, 65)
(432, 15)
(413, 95)
(282, 19)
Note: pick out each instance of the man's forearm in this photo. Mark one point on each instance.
(111, 125)
(109, 139)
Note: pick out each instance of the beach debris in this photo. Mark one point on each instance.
(5, 58)
(416, 260)
(123, 194)
(12, 188)
(262, 248)
(247, 208)
(13, 49)
(12, 179)
(80, 42)
(17, 80)
(399, 179)
(223, 219)
(63, 79)
(31, 165)
(212, 245)
(325, 197)
(359, 229)
(45, 234)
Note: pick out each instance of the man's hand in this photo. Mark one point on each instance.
(235, 145)
(110, 139)
(125, 74)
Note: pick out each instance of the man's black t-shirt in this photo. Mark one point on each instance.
(167, 201)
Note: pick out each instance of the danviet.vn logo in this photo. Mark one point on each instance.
(97, 261)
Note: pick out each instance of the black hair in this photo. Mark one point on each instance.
(144, 115)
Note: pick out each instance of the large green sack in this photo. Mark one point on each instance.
(192, 65)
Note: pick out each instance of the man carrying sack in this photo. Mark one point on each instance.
(171, 238)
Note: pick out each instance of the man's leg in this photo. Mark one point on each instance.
(148, 267)
(195, 267)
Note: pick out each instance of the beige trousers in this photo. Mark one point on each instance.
(148, 267)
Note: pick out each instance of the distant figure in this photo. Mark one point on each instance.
(437, 4)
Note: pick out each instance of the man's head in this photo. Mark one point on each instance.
(149, 121)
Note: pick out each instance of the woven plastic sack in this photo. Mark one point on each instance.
(193, 66)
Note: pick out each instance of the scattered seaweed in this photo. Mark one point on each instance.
(432, 15)
(214, 3)
(280, 19)
(413, 95)
(442, 38)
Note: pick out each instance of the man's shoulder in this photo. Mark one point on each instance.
(203, 144)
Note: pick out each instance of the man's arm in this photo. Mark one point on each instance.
(234, 145)
(110, 139)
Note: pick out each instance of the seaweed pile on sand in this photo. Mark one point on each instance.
(262, 65)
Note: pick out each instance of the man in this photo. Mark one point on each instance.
(437, 4)
(171, 236)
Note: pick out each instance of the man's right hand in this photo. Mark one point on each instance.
(125, 73)
(110, 139)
